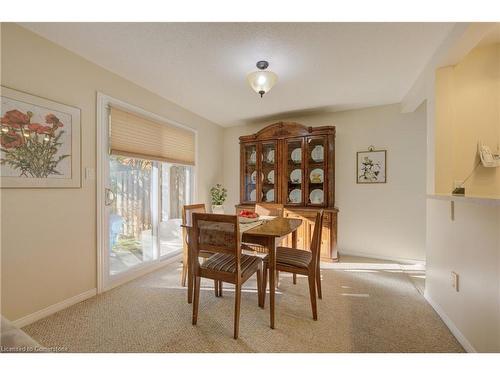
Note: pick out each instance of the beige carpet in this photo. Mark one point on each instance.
(367, 306)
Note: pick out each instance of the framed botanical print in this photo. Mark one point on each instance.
(40, 142)
(371, 166)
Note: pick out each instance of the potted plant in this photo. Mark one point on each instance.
(218, 194)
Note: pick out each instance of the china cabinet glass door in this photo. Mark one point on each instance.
(250, 173)
(316, 171)
(294, 185)
(269, 172)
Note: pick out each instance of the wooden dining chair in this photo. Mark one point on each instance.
(263, 209)
(301, 262)
(187, 213)
(220, 234)
(269, 209)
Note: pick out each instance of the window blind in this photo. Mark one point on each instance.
(136, 136)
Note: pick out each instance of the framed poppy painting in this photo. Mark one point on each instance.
(371, 166)
(40, 142)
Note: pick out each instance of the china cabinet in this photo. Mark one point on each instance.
(292, 164)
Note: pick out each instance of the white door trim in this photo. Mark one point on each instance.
(102, 120)
(103, 103)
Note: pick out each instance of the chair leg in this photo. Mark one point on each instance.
(196, 299)
(259, 285)
(237, 303)
(220, 288)
(277, 279)
(264, 285)
(312, 293)
(184, 274)
(190, 287)
(185, 251)
(216, 288)
(295, 278)
(318, 282)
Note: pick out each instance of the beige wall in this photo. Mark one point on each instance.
(391, 216)
(467, 103)
(470, 246)
(468, 111)
(49, 235)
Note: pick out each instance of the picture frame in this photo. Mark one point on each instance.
(40, 142)
(371, 166)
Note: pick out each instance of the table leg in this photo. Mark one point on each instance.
(190, 269)
(272, 277)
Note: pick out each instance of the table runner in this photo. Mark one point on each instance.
(247, 226)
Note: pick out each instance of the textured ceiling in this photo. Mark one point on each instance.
(203, 66)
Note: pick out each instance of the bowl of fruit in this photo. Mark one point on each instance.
(246, 216)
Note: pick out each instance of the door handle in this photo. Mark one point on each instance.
(109, 197)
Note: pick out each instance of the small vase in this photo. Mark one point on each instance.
(217, 209)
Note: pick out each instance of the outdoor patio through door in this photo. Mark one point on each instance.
(145, 199)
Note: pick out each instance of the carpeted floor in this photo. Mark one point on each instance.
(367, 306)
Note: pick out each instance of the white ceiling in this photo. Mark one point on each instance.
(203, 66)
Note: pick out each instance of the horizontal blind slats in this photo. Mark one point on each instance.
(136, 136)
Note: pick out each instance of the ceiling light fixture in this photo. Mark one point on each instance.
(262, 80)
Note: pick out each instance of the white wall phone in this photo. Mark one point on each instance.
(488, 159)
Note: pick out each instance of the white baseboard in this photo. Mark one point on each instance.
(31, 318)
(382, 257)
(449, 323)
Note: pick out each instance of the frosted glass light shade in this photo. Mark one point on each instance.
(262, 81)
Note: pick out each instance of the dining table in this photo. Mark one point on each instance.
(266, 232)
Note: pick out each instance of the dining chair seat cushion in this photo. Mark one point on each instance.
(227, 263)
(288, 256)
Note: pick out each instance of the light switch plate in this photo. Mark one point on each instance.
(89, 173)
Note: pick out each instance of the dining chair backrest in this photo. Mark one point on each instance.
(269, 209)
(188, 210)
(217, 234)
(316, 238)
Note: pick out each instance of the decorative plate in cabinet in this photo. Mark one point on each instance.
(317, 154)
(253, 195)
(296, 176)
(296, 155)
(270, 177)
(316, 176)
(295, 196)
(253, 177)
(317, 196)
(270, 195)
(270, 157)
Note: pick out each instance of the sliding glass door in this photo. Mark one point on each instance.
(139, 197)
(145, 200)
(131, 224)
(176, 191)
